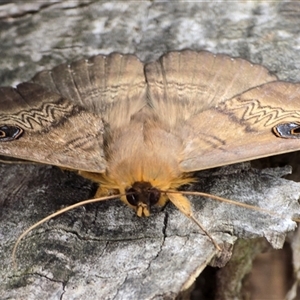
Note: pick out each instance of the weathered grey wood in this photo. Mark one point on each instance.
(104, 251)
(295, 242)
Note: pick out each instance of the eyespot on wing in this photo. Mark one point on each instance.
(10, 132)
(290, 130)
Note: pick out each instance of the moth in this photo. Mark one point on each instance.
(142, 130)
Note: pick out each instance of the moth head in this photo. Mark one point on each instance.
(142, 195)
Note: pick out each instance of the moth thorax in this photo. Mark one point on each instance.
(142, 195)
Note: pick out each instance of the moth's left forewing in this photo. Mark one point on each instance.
(63, 115)
(53, 130)
(242, 128)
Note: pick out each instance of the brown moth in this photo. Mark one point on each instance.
(141, 130)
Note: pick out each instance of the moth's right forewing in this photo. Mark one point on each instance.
(242, 128)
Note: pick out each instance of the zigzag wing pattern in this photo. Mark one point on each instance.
(43, 126)
(255, 113)
(242, 128)
(37, 119)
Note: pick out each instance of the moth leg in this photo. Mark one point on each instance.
(96, 177)
(163, 200)
(184, 205)
(102, 191)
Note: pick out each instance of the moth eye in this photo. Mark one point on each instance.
(154, 196)
(133, 197)
(10, 132)
(288, 130)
